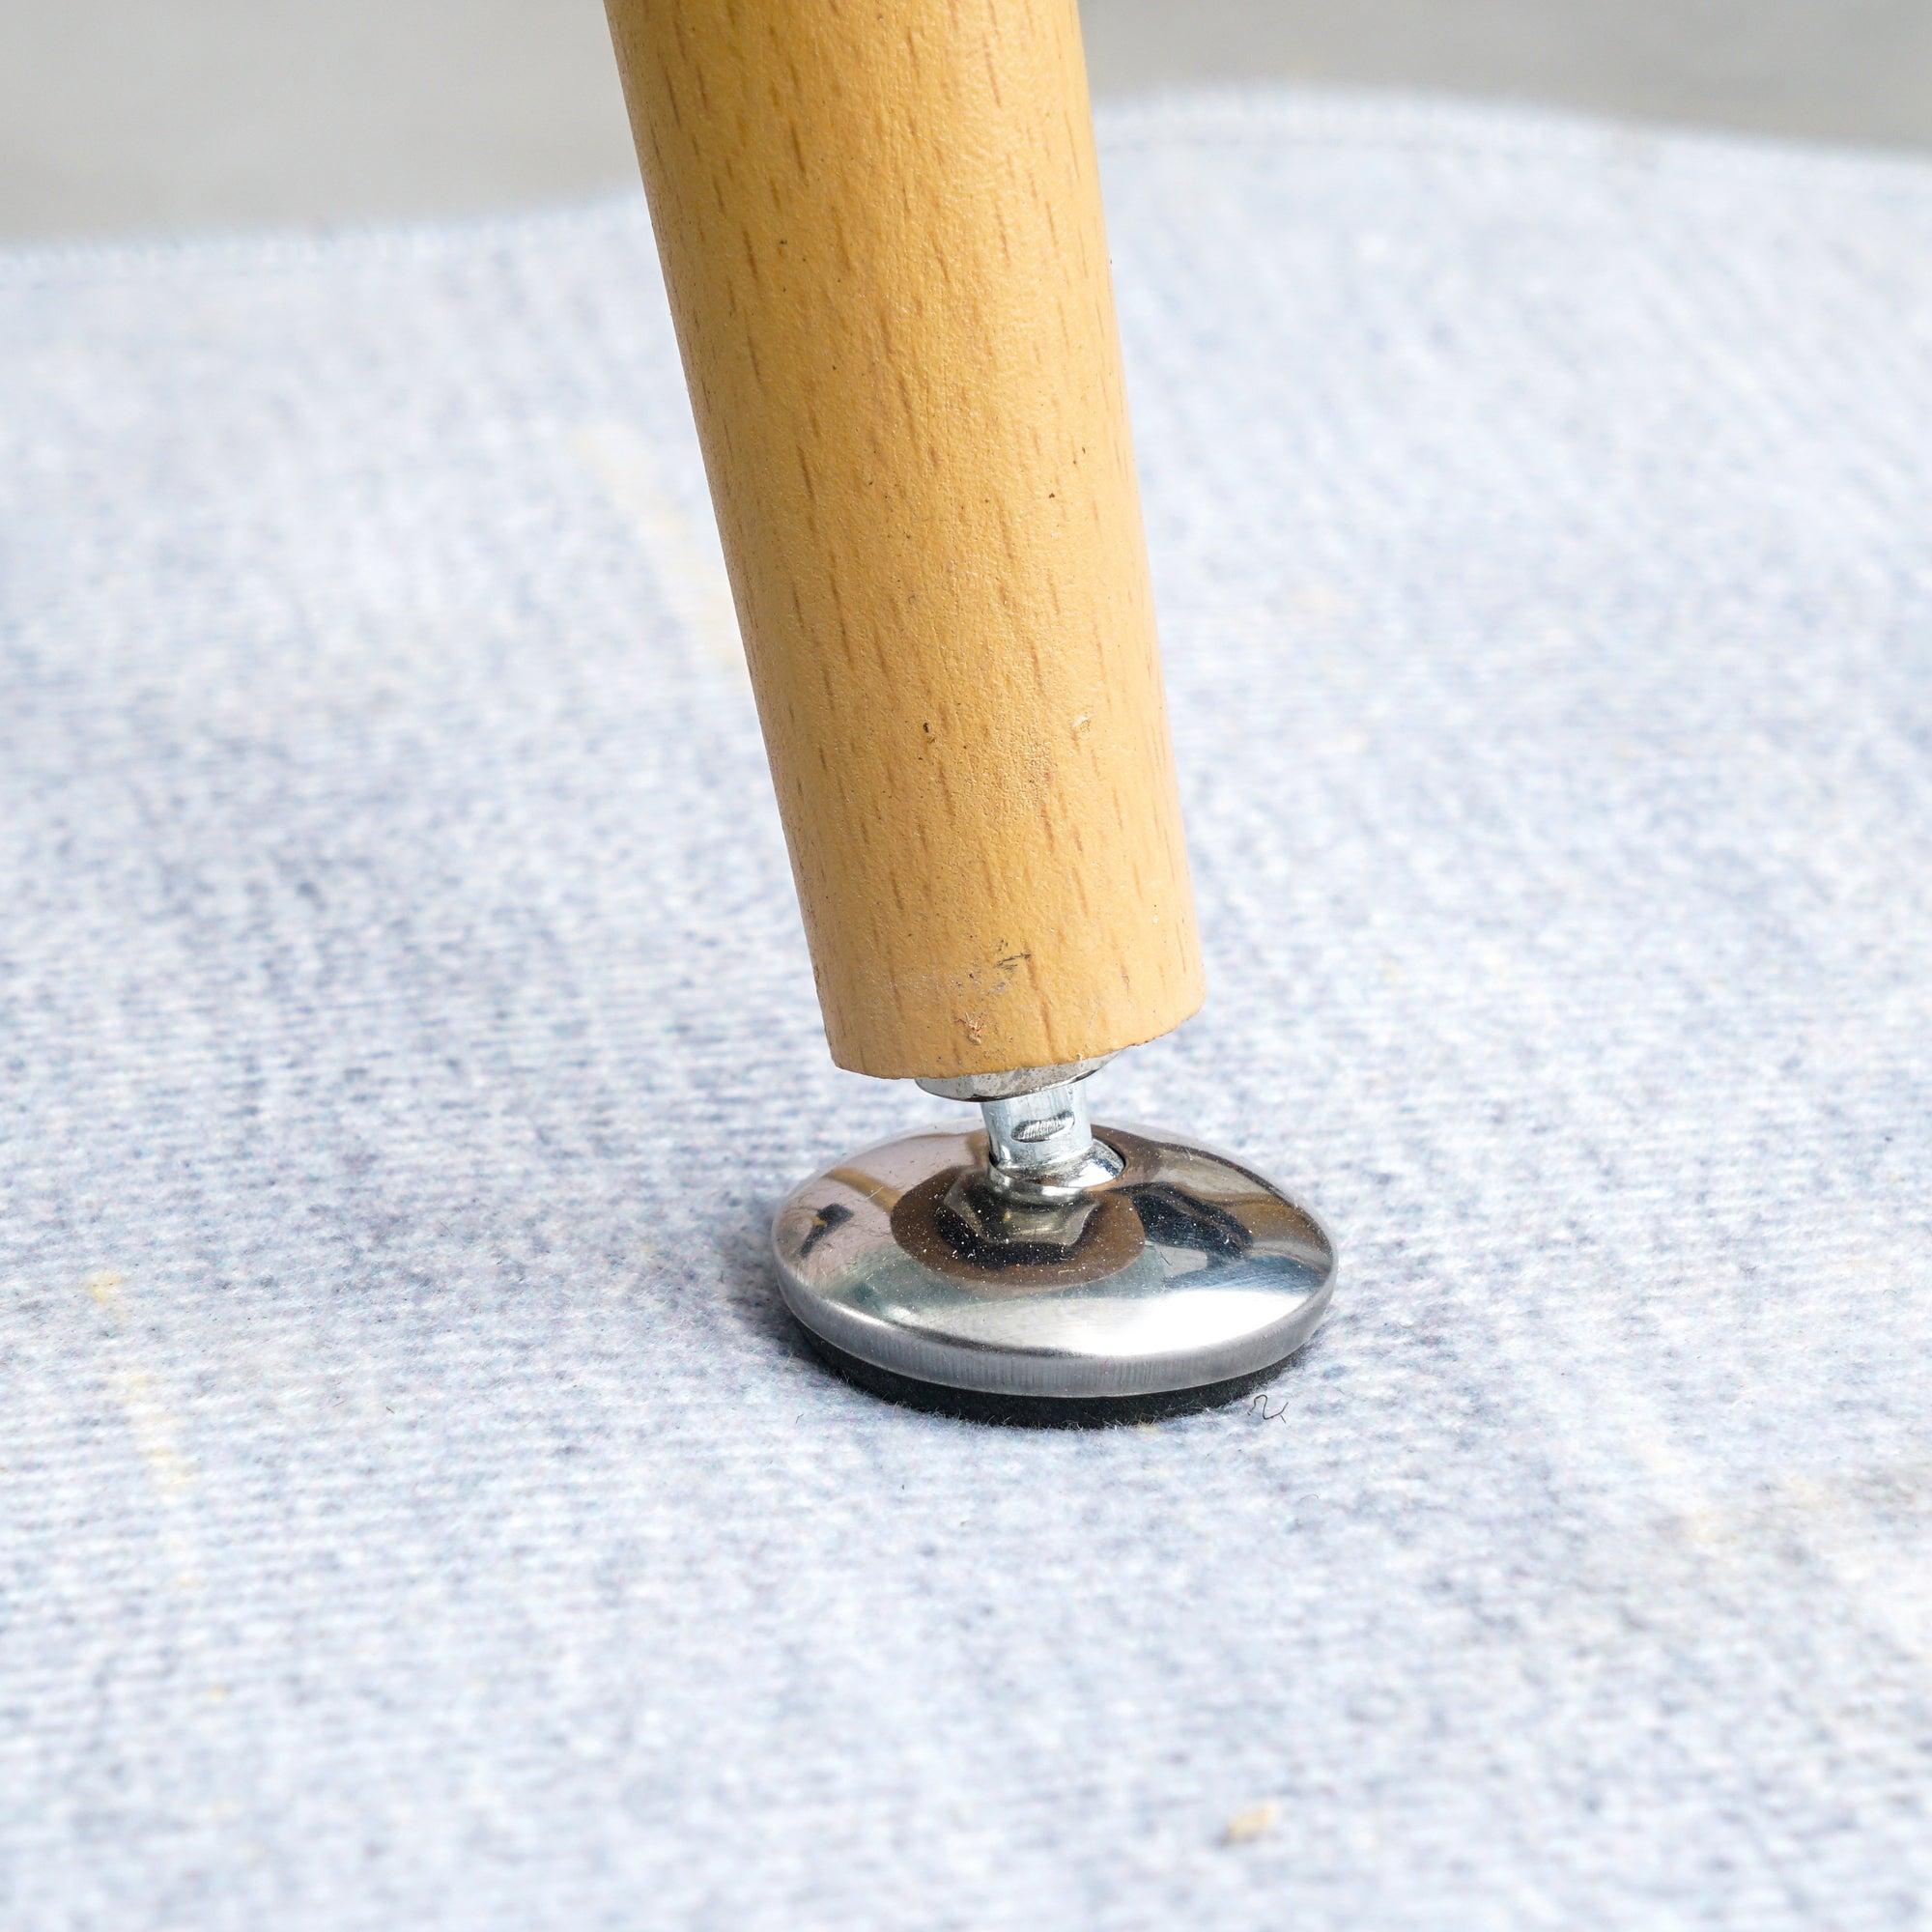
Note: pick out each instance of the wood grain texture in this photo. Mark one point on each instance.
(880, 228)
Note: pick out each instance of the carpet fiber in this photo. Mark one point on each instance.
(413, 1508)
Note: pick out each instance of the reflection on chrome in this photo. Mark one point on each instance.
(924, 1257)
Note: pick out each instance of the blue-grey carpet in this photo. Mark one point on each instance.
(414, 1510)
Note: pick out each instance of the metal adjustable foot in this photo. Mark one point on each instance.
(1041, 1270)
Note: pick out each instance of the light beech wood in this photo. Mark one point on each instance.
(880, 228)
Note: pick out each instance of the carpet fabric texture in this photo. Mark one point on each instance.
(414, 1509)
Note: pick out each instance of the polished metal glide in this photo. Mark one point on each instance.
(1042, 1270)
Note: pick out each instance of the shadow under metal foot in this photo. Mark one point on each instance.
(1038, 1411)
(1167, 1279)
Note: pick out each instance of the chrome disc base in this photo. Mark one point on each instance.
(927, 1274)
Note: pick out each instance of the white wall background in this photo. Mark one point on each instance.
(129, 115)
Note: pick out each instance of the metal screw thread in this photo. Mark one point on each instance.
(1043, 1136)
